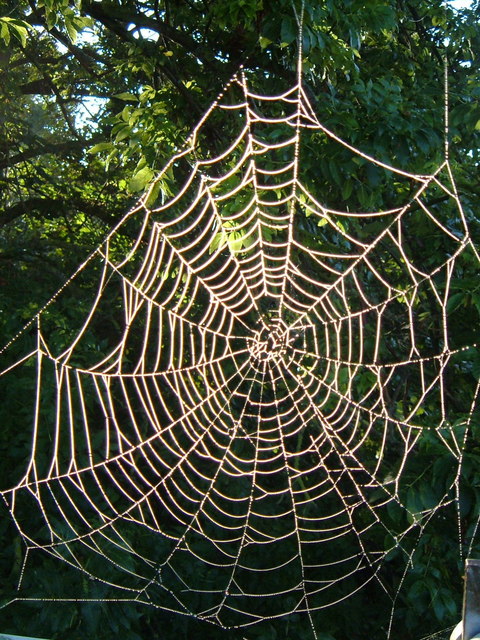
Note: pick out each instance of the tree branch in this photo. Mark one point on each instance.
(46, 147)
(116, 21)
(56, 207)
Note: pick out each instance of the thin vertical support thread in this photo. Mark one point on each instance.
(296, 155)
(299, 19)
(446, 106)
(446, 131)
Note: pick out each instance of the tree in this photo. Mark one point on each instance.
(148, 71)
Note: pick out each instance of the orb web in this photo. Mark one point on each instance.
(227, 431)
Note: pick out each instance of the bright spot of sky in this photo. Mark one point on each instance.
(86, 112)
(146, 34)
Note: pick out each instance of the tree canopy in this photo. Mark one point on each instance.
(95, 99)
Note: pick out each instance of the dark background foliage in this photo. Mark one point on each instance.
(96, 96)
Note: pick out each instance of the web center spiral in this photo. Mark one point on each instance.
(270, 344)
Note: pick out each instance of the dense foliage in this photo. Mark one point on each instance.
(95, 96)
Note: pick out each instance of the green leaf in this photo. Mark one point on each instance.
(247, 241)
(428, 496)
(347, 189)
(148, 93)
(153, 195)
(264, 42)
(218, 241)
(128, 97)
(235, 241)
(21, 34)
(455, 301)
(4, 32)
(374, 175)
(332, 165)
(101, 146)
(439, 608)
(438, 21)
(289, 30)
(122, 133)
(81, 22)
(71, 29)
(125, 114)
(19, 28)
(476, 366)
(110, 157)
(51, 18)
(140, 180)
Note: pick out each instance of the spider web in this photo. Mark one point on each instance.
(234, 444)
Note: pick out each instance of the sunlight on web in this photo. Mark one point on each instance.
(233, 445)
